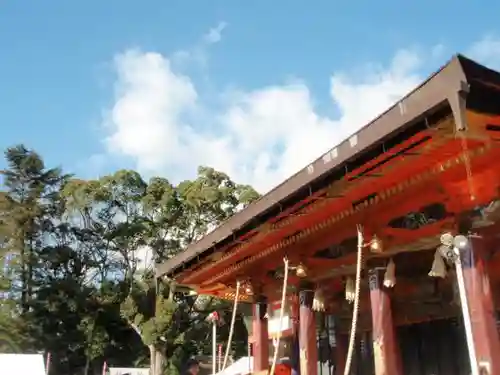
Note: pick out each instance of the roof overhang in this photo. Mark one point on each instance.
(449, 86)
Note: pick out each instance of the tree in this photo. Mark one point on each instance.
(49, 289)
(26, 208)
(131, 221)
(80, 282)
(107, 215)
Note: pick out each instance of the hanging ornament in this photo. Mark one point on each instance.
(247, 287)
(376, 245)
(438, 268)
(390, 274)
(350, 293)
(318, 300)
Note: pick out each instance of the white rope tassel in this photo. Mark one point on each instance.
(319, 300)
(438, 268)
(390, 274)
(350, 293)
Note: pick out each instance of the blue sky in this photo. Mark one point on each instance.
(256, 88)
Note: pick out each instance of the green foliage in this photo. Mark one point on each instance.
(73, 280)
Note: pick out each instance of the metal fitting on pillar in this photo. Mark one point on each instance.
(375, 278)
(260, 303)
(306, 294)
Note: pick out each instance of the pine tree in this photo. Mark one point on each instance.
(26, 205)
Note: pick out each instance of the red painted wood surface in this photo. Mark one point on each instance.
(260, 344)
(295, 318)
(340, 353)
(408, 165)
(481, 305)
(307, 335)
(385, 349)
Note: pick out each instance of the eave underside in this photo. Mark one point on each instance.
(446, 86)
(434, 166)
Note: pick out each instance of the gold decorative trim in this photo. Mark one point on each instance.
(343, 185)
(384, 195)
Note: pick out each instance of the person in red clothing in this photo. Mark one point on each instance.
(192, 367)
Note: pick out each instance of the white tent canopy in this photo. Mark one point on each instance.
(22, 364)
(128, 371)
(242, 366)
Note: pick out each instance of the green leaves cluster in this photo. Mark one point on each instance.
(74, 282)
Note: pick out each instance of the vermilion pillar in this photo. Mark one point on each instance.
(295, 355)
(307, 333)
(480, 300)
(340, 353)
(261, 335)
(385, 350)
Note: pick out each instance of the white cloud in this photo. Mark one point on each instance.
(145, 121)
(214, 35)
(198, 53)
(486, 50)
(261, 137)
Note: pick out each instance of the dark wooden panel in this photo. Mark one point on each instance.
(431, 348)
(362, 360)
(434, 348)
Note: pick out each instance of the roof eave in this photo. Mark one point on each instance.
(448, 84)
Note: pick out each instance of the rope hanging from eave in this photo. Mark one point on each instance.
(354, 323)
(231, 327)
(282, 314)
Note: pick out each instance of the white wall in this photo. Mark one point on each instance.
(22, 364)
(274, 322)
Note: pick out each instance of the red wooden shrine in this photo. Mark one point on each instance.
(427, 166)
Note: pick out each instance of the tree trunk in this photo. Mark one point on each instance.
(29, 280)
(24, 272)
(152, 360)
(157, 359)
(159, 362)
(90, 342)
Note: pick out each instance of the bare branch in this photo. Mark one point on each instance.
(135, 328)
